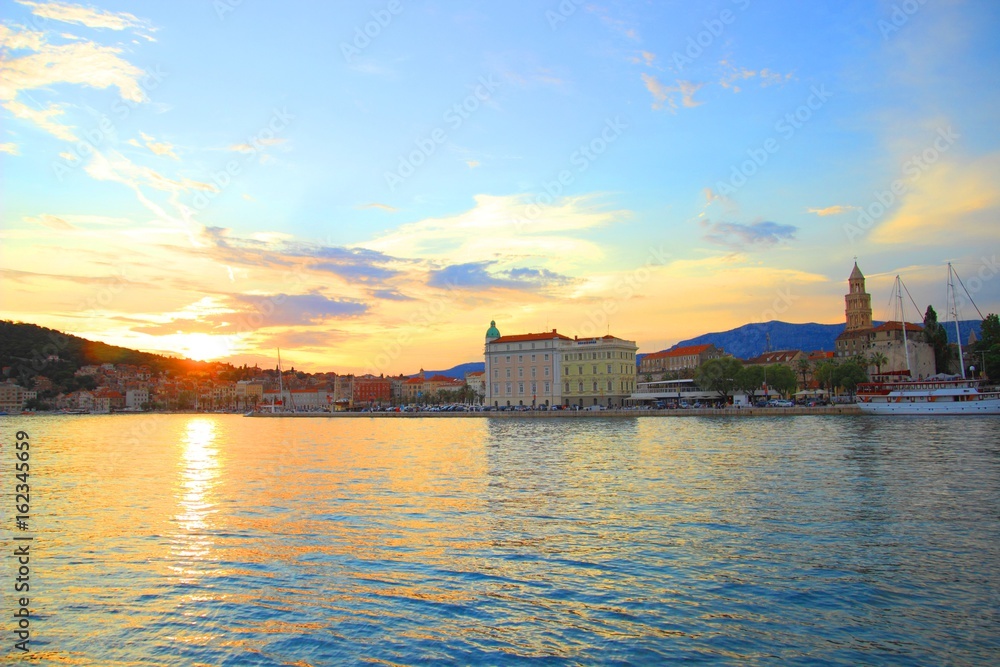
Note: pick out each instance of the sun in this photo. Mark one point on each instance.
(202, 346)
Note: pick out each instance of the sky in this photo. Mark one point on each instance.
(367, 185)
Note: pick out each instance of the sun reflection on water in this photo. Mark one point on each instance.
(198, 474)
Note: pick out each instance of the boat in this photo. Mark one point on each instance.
(898, 394)
(935, 395)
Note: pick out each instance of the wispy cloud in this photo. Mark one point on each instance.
(738, 236)
(838, 209)
(478, 275)
(384, 207)
(50, 221)
(681, 94)
(159, 147)
(42, 118)
(9, 148)
(86, 16)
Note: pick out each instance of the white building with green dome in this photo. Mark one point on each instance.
(530, 370)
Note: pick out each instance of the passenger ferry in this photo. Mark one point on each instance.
(935, 395)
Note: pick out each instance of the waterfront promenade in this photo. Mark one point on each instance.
(848, 409)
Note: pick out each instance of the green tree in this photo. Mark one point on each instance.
(849, 376)
(803, 366)
(719, 375)
(750, 380)
(936, 336)
(987, 349)
(782, 378)
(878, 359)
(824, 374)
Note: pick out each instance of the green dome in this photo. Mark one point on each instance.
(492, 332)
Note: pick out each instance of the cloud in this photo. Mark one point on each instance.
(50, 221)
(477, 275)
(738, 236)
(83, 63)
(158, 148)
(390, 295)
(832, 210)
(286, 309)
(646, 58)
(512, 227)
(43, 118)
(9, 148)
(384, 207)
(951, 202)
(472, 163)
(668, 95)
(86, 16)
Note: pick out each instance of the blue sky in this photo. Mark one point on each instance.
(368, 184)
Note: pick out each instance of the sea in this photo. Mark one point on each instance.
(223, 540)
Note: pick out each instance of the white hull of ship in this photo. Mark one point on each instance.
(985, 406)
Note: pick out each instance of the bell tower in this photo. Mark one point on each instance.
(858, 302)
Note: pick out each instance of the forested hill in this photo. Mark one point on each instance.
(28, 350)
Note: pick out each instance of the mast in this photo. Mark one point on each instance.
(954, 315)
(902, 321)
(281, 385)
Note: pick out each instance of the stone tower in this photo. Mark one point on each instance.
(858, 302)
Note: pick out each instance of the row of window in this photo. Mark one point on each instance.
(603, 354)
(624, 387)
(520, 372)
(520, 388)
(520, 358)
(579, 369)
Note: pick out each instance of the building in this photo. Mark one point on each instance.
(913, 353)
(546, 369)
(523, 369)
(136, 399)
(13, 397)
(784, 357)
(476, 381)
(861, 339)
(370, 390)
(598, 371)
(678, 359)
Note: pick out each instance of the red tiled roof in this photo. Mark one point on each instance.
(820, 354)
(897, 326)
(474, 373)
(416, 380)
(774, 357)
(520, 338)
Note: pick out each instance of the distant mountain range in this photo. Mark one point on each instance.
(750, 340)
(458, 372)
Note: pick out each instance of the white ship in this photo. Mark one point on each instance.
(898, 394)
(939, 395)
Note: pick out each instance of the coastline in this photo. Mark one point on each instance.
(848, 409)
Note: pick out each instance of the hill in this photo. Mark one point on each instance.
(458, 372)
(27, 350)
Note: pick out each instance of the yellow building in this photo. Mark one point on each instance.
(598, 371)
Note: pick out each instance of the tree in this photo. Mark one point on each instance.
(782, 378)
(719, 375)
(849, 376)
(750, 380)
(824, 374)
(878, 359)
(936, 336)
(803, 367)
(987, 349)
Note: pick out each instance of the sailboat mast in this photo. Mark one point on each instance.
(954, 316)
(281, 384)
(902, 322)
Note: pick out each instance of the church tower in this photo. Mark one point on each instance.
(858, 302)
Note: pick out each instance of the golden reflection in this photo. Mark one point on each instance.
(198, 473)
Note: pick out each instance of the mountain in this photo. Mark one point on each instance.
(459, 372)
(750, 340)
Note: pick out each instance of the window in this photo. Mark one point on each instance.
(520, 372)
(496, 373)
(567, 370)
(547, 390)
(567, 388)
(520, 387)
(532, 356)
(520, 358)
(546, 371)
(546, 357)
(595, 386)
(534, 388)
(579, 387)
(580, 369)
(508, 358)
(496, 387)
(508, 372)
(609, 385)
(508, 388)
(595, 369)
(533, 369)
(609, 368)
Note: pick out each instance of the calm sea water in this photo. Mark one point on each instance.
(221, 540)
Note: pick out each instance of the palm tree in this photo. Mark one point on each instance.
(804, 367)
(878, 359)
